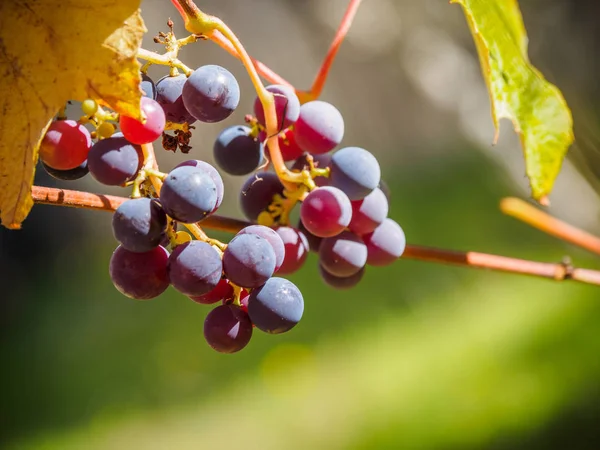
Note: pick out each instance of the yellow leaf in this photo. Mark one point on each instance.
(518, 91)
(52, 51)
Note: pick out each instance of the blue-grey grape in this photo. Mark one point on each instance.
(236, 152)
(188, 194)
(272, 237)
(195, 268)
(249, 260)
(214, 174)
(211, 93)
(276, 307)
(139, 224)
(114, 161)
(355, 171)
(168, 95)
(148, 86)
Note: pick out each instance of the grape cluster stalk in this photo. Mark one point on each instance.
(337, 187)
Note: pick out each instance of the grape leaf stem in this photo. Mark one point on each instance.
(321, 77)
(262, 69)
(166, 59)
(556, 271)
(289, 179)
(340, 35)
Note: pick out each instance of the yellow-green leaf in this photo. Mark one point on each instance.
(518, 91)
(52, 51)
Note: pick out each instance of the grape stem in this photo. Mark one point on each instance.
(322, 74)
(165, 59)
(202, 24)
(263, 70)
(288, 178)
(556, 271)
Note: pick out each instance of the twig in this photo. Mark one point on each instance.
(551, 225)
(558, 272)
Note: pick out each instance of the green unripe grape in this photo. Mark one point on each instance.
(89, 107)
(105, 130)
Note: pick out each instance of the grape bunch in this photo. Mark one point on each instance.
(343, 211)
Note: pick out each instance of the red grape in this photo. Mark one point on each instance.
(66, 145)
(227, 329)
(386, 244)
(222, 292)
(144, 132)
(326, 211)
(296, 250)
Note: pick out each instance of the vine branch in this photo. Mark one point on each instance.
(529, 214)
(555, 271)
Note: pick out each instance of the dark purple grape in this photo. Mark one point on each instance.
(272, 237)
(257, 193)
(386, 244)
(343, 255)
(276, 307)
(148, 86)
(114, 161)
(168, 95)
(249, 260)
(188, 194)
(287, 106)
(139, 224)
(141, 276)
(236, 152)
(369, 212)
(314, 242)
(67, 175)
(355, 171)
(227, 329)
(319, 161)
(320, 127)
(296, 250)
(211, 93)
(326, 211)
(195, 268)
(214, 174)
(341, 283)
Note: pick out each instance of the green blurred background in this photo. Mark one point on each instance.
(418, 356)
